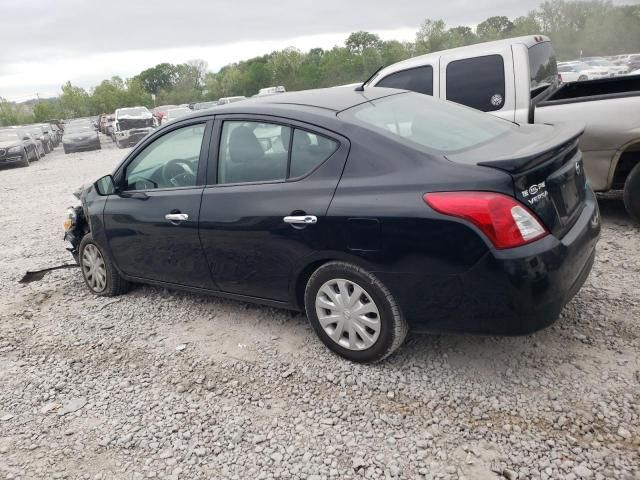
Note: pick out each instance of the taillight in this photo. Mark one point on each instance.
(505, 221)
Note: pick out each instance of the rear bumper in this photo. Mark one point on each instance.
(508, 292)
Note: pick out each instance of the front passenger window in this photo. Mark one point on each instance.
(171, 161)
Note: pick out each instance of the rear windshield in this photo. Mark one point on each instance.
(423, 121)
(542, 67)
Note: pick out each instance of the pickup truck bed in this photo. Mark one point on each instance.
(610, 140)
(601, 89)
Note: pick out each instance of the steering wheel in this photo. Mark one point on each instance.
(178, 173)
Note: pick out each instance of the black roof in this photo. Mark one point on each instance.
(333, 99)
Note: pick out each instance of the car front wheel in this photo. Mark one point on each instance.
(353, 313)
(98, 271)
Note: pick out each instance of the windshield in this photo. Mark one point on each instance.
(78, 129)
(542, 66)
(133, 111)
(8, 135)
(422, 121)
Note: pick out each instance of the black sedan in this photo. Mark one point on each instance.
(375, 212)
(80, 136)
(17, 147)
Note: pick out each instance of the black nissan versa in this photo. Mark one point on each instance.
(374, 212)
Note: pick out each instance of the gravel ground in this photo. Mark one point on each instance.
(164, 384)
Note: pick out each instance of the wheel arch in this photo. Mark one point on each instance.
(628, 158)
(310, 264)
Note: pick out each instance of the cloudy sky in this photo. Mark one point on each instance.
(46, 43)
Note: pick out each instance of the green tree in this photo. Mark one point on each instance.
(161, 77)
(45, 110)
(431, 37)
(74, 101)
(358, 42)
(494, 28)
(12, 113)
(461, 36)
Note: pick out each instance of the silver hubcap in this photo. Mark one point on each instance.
(348, 314)
(93, 268)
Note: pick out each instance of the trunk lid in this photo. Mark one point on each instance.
(547, 170)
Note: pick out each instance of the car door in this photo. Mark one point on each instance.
(269, 188)
(151, 224)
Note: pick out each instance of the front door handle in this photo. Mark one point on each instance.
(176, 218)
(301, 219)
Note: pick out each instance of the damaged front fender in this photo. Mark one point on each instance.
(76, 227)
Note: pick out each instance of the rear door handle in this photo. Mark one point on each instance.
(176, 218)
(301, 219)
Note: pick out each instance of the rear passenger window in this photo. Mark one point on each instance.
(309, 150)
(418, 80)
(477, 82)
(253, 152)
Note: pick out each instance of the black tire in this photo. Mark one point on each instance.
(65, 150)
(25, 161)
(114, 284)
(393, 326)
(631, 193)
(582, 78)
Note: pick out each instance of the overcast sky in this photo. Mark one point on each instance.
(44, 43)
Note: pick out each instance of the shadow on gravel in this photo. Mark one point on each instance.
(612, 209)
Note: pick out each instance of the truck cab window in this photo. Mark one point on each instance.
(477, 82)
(543, 68)
(418, 80)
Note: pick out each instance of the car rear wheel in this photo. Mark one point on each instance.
(631, 193)
(98, 271)
(582, 78)
(353, 313)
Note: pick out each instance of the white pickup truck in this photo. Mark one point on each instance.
(517, 79)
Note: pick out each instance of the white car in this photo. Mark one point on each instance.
(635, 72)
(175, 113)
(612, 68)
(580, 71)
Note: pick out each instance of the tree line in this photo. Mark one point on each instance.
(595, 27)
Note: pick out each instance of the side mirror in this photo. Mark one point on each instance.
(105, 186)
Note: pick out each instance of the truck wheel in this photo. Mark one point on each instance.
(353, 313)
(98, 271)
(631, 193)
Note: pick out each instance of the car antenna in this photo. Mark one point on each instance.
(360, 88)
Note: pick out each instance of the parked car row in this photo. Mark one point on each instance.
(592, 68)
(23, 144)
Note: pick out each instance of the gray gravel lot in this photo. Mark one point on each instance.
(165, 384)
